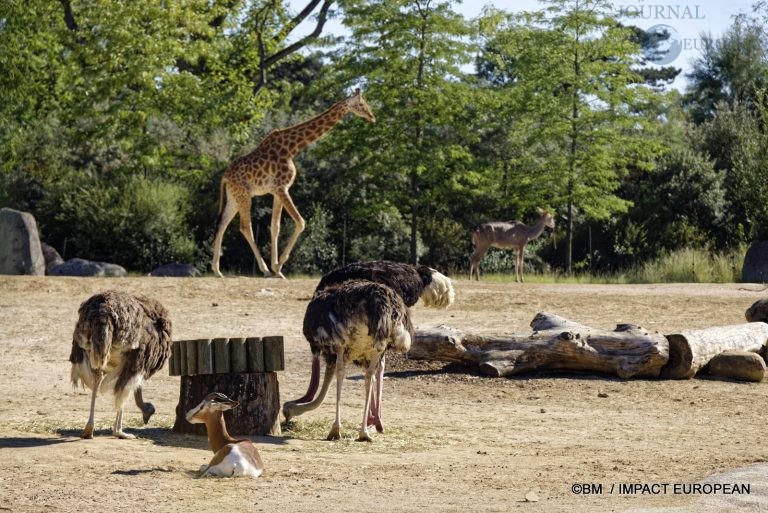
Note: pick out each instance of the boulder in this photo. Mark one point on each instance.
(755, 269)
(52, 257)
(176, 270)
(81, 267)
(742, 365)
(758, 312)
(20, 251)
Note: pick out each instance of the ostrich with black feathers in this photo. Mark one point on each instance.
(407, 282)
(119, 341)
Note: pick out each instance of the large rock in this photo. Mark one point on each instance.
(52, 257)
(755, 268)
(80, 267)
(20, 251)
(176, 270)
(758, 312)
(742, 365)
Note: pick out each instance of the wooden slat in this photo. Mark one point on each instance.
(173, 361)
(183, 366)
(220, 355)
(204, 356)
(237, 355)
(255, 349)
(191, 357)
(274, 359)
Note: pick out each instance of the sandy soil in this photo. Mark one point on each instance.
(455, 441)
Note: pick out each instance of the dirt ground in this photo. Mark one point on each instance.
(455, 441)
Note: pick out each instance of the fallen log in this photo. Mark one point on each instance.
(691, 350)
(555, 344)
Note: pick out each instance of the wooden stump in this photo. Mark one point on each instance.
(691, 350)
(258, 395)
(556, 344)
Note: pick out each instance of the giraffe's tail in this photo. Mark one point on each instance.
(222, 186)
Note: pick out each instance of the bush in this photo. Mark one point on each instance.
(388, 239)
(131, 221)
(314, 253)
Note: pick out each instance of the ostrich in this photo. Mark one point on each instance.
(119, 341)
(232, 458)
(408, 282)
(354, 321)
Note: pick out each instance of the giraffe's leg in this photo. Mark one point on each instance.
(369, 372)
(98, 378)
(227, 214)
(335, 433)
(298, 223)
(519, 266)
(274, 231)
(244, 208)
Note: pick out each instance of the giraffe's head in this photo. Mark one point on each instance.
(357, 104)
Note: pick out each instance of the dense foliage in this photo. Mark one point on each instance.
(118, 119)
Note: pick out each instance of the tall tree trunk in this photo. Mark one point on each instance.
(414, 219)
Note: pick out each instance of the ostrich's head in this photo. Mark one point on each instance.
(438, 288)
(213, 402)
(357, 105)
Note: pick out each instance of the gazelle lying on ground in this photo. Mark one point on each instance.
(232, 458)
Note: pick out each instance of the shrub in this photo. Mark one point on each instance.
(132, 221)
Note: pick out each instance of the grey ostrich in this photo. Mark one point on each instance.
(353, 322)
(119, 341)
(407, 281)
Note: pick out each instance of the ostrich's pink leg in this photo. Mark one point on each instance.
(335, 433)
(374, 419)
(369, 373)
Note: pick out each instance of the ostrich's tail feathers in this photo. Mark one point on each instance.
(439, 293)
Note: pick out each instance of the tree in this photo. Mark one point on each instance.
(408, 54)
(573, 73)
(732, 68)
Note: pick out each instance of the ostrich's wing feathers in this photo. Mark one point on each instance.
(151, 346)
(405, 280)
(335, 312)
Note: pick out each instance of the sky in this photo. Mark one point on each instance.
(685, 21)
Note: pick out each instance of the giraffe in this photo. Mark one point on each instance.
(269, 169)
(514, 235)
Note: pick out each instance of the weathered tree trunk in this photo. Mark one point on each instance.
(691, 350)
(556, 343)
(258, 395)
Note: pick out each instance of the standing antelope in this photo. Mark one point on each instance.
(514, 235)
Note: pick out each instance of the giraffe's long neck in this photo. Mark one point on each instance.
(298, 137)
(537, 228)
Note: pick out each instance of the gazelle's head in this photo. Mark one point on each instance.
(359, 107)
(213, 402)
(549, 219)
